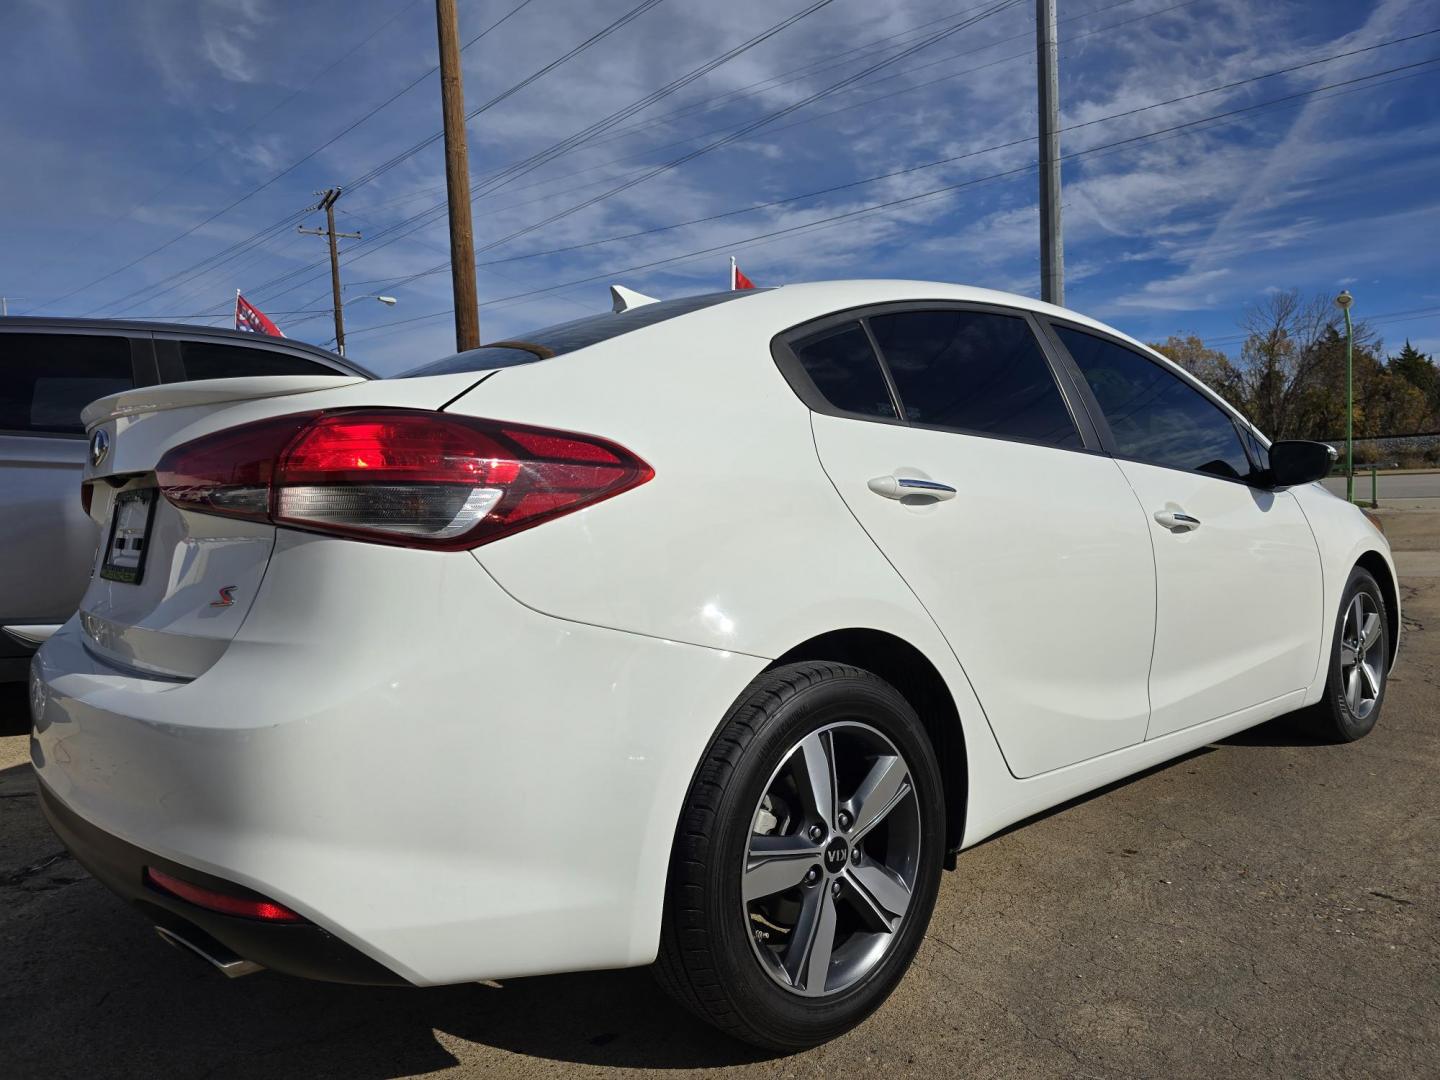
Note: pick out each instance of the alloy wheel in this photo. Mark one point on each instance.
(832, 859)
(1362, 667)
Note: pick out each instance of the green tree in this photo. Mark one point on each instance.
(1419, 371)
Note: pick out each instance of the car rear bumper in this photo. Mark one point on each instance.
(451, 784)
(301, 949)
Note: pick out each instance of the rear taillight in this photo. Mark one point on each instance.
(397, 476)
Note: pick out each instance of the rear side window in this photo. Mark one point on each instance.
(843, 367)
(1154, 415)
(46, 379)
(974, 371)
(208, 360)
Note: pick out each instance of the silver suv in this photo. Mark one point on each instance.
(49, 370)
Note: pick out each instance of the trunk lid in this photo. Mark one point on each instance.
(169, 589)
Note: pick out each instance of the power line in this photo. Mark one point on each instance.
(422, 218)
(1185, 127)
(284, 172)
(404, 227)
(745, 129)
(396, 159)
(770, 204)
(683, 159)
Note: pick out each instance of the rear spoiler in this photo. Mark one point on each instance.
(145, 399)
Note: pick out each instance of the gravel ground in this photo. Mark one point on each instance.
(1263, 907)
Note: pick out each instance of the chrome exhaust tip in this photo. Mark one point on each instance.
(211, 951)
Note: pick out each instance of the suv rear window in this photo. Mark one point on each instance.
(209, 360)
(46, 379)
(570, 336)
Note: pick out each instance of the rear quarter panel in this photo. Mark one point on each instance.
(740, 541)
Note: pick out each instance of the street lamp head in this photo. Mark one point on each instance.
(388, 301)
(1344, 300)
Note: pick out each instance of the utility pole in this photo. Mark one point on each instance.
(5, 304)
(457, 179)
(327, 203)
(1052, 246)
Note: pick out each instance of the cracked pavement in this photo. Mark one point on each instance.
(1264, 907)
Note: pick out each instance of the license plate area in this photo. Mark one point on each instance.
(129, 538)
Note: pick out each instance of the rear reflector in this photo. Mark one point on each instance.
(245, 907)
(397, 476)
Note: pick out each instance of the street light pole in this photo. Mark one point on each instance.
(1343, 301)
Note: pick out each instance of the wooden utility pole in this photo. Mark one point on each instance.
(1052, 245)
(457, 179)
(327, 203)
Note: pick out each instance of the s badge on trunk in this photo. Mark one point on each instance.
(99, 447)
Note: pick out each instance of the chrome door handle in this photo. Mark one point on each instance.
(1177, 520)
(900, 487)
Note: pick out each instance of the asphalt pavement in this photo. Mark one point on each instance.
(1264, 907)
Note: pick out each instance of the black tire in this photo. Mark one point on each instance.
(706, 958)
(1332, 719)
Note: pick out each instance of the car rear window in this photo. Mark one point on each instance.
(844, 368)
(46, 379)
(569, 336)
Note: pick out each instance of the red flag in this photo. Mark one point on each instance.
(249, 317)
(737, 279)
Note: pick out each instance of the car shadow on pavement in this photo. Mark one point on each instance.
(14, 709)
(87, 989)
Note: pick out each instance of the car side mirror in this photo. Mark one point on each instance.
(1294, 461)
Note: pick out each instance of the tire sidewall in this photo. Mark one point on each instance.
(785, 1017)
(1347, 724)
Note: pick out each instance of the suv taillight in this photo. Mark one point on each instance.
(397, 476)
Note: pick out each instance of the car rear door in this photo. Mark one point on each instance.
(1237, 567)
(946, 432)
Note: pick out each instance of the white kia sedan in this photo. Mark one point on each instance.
(701, 633)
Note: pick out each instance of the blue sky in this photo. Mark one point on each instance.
(127, 126)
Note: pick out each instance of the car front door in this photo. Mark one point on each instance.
(947, 435)
(1237, 568)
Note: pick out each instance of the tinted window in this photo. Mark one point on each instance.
(572, 336)
(843, 367)
(46, 379)
(974, 371)
(1154, 415)
(207, 360)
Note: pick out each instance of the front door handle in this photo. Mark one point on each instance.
(1177, 520)
(902, 487)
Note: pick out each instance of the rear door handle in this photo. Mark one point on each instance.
(900, 487)
(1177, 520)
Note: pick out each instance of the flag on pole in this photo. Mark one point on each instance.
(249, 317)
(737, 279)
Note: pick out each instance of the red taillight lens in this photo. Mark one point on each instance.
(245, 907)
(397, 476)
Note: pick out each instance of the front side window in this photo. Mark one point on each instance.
(208, 360)
(975, 371)
(46, 379)
(843, 367)
(1154, 415)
